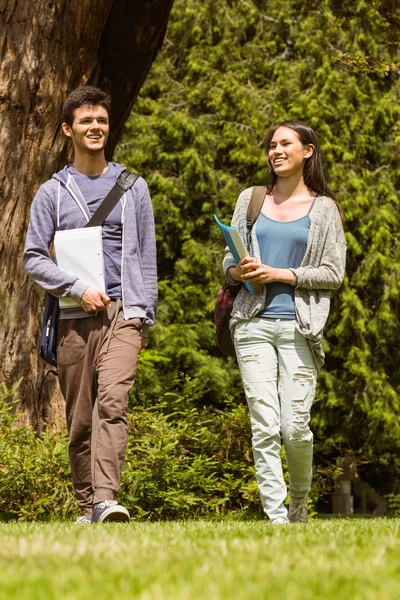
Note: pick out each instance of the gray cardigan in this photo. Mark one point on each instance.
(321, 271)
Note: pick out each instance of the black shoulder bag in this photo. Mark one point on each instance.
(51, 315)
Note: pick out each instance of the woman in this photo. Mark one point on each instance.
(298, 252)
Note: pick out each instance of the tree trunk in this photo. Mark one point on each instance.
(47, 48)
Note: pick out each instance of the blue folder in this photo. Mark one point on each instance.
(238, 249)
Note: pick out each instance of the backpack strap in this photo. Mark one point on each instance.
(254, 208)
(124, 182)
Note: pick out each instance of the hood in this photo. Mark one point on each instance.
(62, 176)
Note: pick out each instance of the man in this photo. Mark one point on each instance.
(98, 343)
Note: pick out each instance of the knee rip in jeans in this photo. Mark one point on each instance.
(302, 406)
(301, 417)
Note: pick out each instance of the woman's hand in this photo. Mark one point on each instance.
(237, 272)
(254, 272)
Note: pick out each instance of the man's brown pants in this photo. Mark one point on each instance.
(97, 359)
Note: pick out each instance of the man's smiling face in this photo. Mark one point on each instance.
(90, 129)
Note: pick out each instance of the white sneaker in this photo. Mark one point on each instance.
(279, 522)
(83, 520)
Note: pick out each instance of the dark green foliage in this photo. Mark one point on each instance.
(34, 472)
(181, 462)
(185, 462)
(227, 71)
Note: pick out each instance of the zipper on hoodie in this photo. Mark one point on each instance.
(75, 197)
(123, 202)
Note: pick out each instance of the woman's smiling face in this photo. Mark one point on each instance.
(286, 153)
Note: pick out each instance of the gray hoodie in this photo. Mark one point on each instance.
(59, 201)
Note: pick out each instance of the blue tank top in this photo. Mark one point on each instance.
(282, 245)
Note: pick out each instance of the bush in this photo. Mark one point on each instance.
(34, 472)
(184, 461)
(181, 462)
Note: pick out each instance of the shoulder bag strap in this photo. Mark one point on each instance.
(255, 205)
(124, 182)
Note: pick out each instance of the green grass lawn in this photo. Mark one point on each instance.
(329, 559)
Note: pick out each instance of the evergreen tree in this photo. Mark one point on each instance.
(227, 72)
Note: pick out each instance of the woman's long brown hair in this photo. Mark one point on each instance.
(313, 173)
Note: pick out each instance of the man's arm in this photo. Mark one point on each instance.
(148, 258)
(38, 263)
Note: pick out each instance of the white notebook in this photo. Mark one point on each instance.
(79, 252)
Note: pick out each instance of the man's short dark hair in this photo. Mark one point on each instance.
(84, 95)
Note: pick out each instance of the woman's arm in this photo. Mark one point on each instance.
(251, 270)
(329, 275)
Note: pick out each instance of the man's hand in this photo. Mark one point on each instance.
(94, 300)
(144, 342)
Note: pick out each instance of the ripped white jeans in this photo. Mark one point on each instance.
(279, 378)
